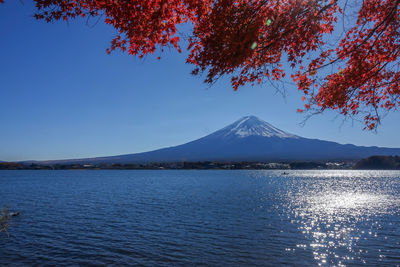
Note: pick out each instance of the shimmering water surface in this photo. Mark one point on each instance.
(218, 218)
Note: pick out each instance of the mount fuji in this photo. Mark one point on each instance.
(247, 139)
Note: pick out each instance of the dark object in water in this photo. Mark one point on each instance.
(13, 214)
(285, 173)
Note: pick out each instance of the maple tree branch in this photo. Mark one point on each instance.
(388, 17)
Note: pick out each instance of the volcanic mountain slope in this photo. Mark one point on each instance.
(247, 139)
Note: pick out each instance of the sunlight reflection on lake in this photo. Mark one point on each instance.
(329, 213)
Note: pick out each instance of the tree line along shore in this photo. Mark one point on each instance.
(374, 162)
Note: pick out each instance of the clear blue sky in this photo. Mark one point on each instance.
(62, 96)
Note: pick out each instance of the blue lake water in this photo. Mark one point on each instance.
(194, 218)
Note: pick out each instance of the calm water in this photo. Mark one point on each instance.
(218, 218)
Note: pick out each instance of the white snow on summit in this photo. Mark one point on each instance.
(252, 125)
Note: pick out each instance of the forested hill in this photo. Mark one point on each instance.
(379, 163)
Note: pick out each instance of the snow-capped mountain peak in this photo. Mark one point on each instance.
(253, 126)
(247, 139)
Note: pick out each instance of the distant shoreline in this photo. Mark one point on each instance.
(206, 165)
(370, 163)
(351, 169)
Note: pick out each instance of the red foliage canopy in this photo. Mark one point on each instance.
(249, 40)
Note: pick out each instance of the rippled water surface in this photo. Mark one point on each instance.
(224, 218)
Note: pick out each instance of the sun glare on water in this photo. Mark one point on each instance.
(330, 212)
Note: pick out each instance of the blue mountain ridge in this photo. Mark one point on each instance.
(247, 139)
